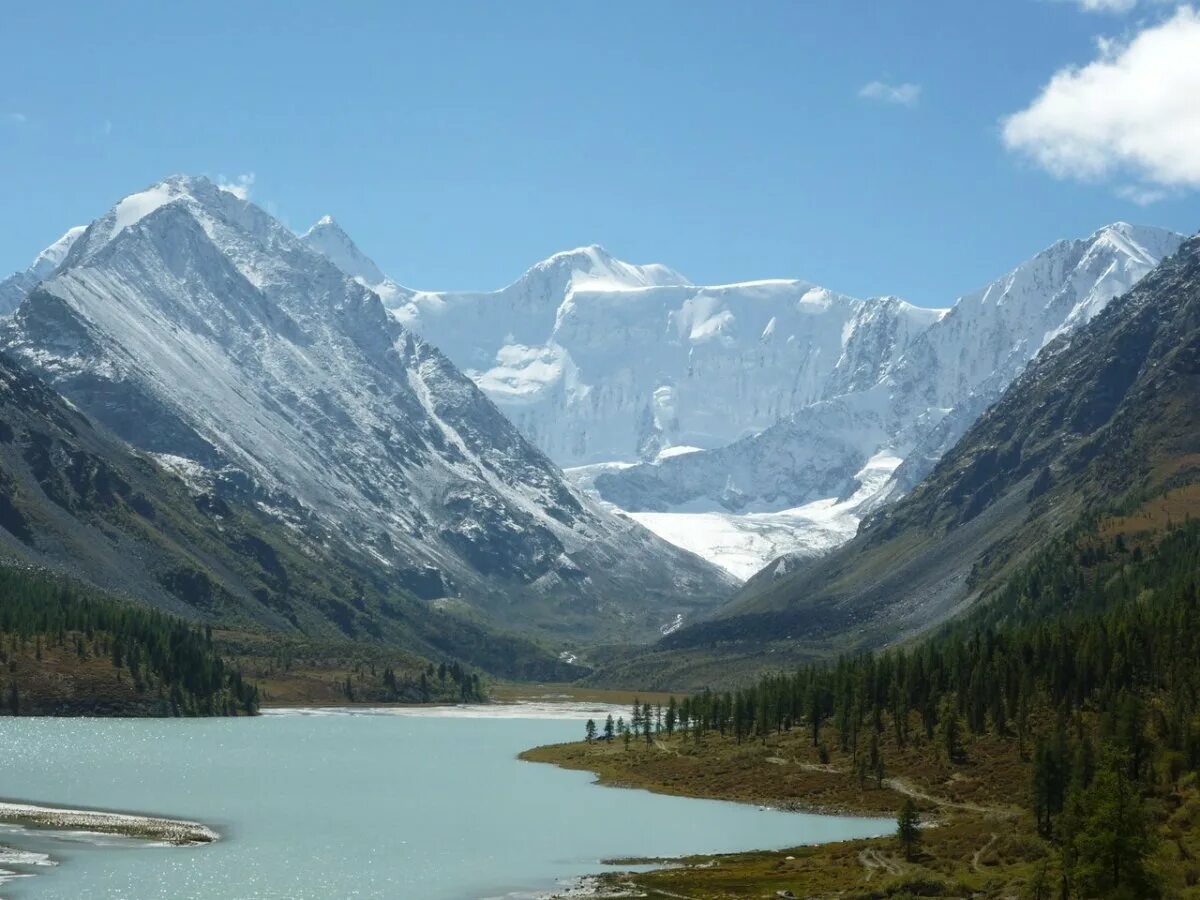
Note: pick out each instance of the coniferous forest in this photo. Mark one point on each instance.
(1077, 687)
(65, 649)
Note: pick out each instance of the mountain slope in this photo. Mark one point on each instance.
(921, 399)
(75, 499)
(199, 329)
(1106, 414)
(327, 238)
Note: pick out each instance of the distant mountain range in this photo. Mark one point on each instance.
(262, 427)
(750, 421)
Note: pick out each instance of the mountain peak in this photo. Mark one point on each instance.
(201, 195)
(593, 268)
(1145, 243)
(327, 224)
(329, 239)
(50, 258)
(239, 347)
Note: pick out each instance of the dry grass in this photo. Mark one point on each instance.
(1158, 515)
(982, 843)
(786, 770)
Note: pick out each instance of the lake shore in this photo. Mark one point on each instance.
(975, 841)
(180, 832)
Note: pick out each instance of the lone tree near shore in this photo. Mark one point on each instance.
(608, 728)
(591, 730)
(908, 828)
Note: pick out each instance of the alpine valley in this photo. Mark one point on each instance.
(905, 561)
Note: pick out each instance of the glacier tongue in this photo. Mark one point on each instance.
(198, 328)
(779, 393)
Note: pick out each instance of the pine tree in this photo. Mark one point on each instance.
(591, 730)
(908, 828)
(950, 731)
(1116, 837)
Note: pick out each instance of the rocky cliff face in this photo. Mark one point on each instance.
(198, 328)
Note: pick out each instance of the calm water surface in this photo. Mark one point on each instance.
(413, 805)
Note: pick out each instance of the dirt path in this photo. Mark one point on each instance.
(908, 789)
(975, 863)
(874, 861)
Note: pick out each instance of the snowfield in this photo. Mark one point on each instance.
(743, 544)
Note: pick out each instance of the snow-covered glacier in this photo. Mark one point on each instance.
(754, 420)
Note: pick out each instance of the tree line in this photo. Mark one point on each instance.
(160, 653)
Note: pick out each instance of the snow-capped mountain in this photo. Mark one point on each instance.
(328, 239)
(923, 401)
(964, 363)
(597, 360)
(14, 288)
(200, 329)
(764, 417)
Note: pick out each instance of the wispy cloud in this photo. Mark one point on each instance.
(1132, 110)
(1142, 195)
(239, 185)
(16, 118)
(903, 94)
(1105, 6)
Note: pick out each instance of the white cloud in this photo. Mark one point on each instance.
(1133, 110)
(1141, 195)
(905, 94)
(239, 185)
(16, 118)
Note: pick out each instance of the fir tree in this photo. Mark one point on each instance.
(908, 828)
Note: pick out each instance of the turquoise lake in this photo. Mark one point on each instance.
(398, 804)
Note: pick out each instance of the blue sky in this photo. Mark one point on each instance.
(459, 143)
